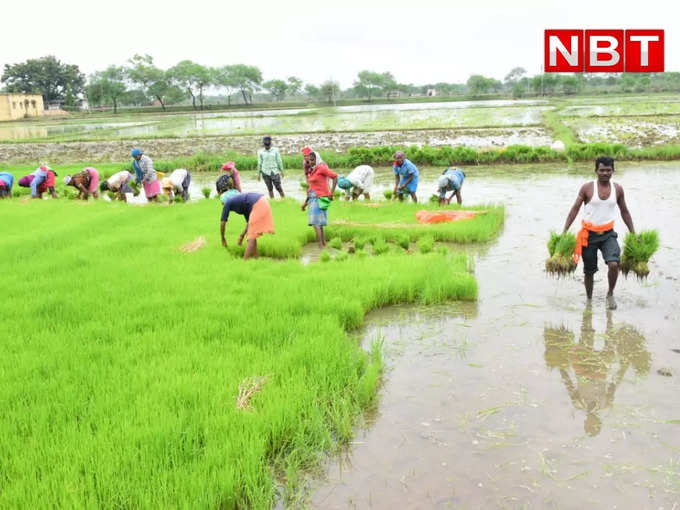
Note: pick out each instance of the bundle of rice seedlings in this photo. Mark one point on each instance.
(388, 194)
(206, 191)
(434, 198)
(561, 249)
(637, 250)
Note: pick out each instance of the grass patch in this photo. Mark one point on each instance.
(121, 385)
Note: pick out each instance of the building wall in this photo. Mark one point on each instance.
(20, 106)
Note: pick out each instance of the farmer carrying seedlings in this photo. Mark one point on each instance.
(358, 182)
(451, 179)
(6, 181)
(319, 196)
(178, 182)
(255, 208)
(600, 198)
(146, 174)
(270, 167)
(118, 183)
(405, 177)
(85, 181)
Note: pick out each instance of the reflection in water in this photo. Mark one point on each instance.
(591, 375)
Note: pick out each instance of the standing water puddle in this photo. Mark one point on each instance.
(529, 398)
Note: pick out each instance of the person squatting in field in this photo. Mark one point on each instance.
(85, 181)
(6, 182)
(319, 196)
(118, 184)
(258, 214)
(405, 177)
(178, 182)
(146, 174)
(358, 182)
(600, 199)
(451, 179)
(270, 167)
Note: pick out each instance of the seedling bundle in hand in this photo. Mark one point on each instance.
(561, 249)
(637, 250)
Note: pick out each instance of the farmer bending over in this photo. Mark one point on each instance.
(178, 182)
(86, 182)
(358, 182)
(118, 184)
(405, 177)
(255, 208)
(451, 179)
(6, 182)
(600, 198)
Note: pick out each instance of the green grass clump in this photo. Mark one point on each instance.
(206, 191)
(380, 247)
(336, 243)
(325, 256)
(403, 241)
(561, 249)
(388, 194)
(637, 250)
(426, 244)
(121, 392)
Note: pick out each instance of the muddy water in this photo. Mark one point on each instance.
(529, 398)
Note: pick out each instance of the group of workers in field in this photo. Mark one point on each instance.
(599, 197)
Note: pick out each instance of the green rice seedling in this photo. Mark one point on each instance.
(361, 254)
(325, 256)
(426, 244)
(359, 243)
(434, 198)
(122, 395)
(335, 243)
(178, 199)
(560, 249)
(304, 185)
(637, 250)
(403, 241)
(343, 255)
(110, 194)
(337, 193)
(388, 194)
(206, 191)
(380, 247)
(442, 250)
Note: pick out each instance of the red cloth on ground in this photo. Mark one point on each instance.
(444, 216)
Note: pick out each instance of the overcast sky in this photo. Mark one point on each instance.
(420, 41)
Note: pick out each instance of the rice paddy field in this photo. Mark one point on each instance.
(137, 375)
(404, 366)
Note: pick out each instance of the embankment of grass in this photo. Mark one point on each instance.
(123, 356)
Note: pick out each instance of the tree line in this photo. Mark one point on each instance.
(140, 82)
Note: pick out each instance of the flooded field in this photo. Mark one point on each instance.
(632, 131)
(529, 398)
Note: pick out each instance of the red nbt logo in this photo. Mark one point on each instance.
(604, 51)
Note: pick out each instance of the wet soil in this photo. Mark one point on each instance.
(529, 398)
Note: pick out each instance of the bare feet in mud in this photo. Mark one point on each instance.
(611, 303)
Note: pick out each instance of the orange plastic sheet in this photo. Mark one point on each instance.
(444, 216)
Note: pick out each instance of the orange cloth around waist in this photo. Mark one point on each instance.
(443, 216)
(582, 236)
(260, 220)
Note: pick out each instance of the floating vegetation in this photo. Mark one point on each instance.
(637, 250)
(561, 249)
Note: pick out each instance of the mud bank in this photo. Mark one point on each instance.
(119, 150)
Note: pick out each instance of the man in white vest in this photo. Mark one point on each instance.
(600, 199)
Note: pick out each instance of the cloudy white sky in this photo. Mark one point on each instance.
(419, 41)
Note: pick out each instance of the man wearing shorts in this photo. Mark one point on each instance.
(270, 167)
(600, 198)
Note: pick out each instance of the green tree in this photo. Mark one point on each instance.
(478, 84)
(369, 84)
(109, 84)
(277, 88)
(389, 84)
(247, 78)
(192, 77)
(294, 86)
(155, 82)
(330, 90)
(46, 76)
(515, 74)
(312, 91)
(572, 84)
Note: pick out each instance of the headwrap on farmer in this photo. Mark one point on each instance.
(136, 152)
(67, 180)
(306, 151)
(399, 154)
(343, 182)
(229, 165)
(318, 157)
(442, 182)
